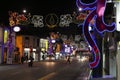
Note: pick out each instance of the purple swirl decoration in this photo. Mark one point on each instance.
(97, 12)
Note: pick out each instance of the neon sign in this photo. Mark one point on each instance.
(97, 13)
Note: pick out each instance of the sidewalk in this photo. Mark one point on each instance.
(8, 66)
(85, 75)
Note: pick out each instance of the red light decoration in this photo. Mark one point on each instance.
(97, 12)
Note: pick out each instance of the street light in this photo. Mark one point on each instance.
(16, 29)
(24, 10)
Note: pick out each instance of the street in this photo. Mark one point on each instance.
(46, 70)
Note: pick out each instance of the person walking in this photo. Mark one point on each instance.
(22, 59)
(68, 60)
(30, 61)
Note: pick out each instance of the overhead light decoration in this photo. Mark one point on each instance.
(65, 20)
(51, 20)
(37, 20)
(81, 17)
(97, 12)
(18, 19)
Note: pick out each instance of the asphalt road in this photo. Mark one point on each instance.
(46, 70)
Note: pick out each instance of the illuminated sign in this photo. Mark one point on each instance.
(97, 12)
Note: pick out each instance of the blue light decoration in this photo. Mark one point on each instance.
(97, 9)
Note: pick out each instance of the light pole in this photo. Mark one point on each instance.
(24, 11)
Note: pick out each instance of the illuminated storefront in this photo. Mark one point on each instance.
(27, 46)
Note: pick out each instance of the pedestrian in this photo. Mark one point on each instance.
(26, 58)
(30, 61)
(22, 59)
(43, 57)
(68, 60)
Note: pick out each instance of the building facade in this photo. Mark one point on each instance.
(26, 46)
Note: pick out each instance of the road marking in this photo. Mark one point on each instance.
(48, 76)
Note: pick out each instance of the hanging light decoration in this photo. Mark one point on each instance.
(65, 20)
(51, 20)
(37, 20)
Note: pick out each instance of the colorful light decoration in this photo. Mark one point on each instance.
(97, 12)
(18, 19)
(51, 20)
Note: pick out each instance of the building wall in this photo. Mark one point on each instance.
(27, 45)
(7, 44)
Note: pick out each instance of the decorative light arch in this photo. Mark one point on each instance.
(51, 20)
(97, 12)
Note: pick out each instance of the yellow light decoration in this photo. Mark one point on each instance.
(15, 19)
(51, 20)
(5, 36)
(46, 44)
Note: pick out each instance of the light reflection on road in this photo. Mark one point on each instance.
(49, 63)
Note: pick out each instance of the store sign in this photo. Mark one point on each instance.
(97, 12)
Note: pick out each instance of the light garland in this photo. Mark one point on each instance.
(51, 20)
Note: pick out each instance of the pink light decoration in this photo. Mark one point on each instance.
(101, 11)
(97, 12)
